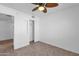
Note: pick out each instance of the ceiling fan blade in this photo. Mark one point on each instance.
(37, 3)
(35, 8)
(50, 5)
(45, 10)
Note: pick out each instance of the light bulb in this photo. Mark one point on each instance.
(41, 8)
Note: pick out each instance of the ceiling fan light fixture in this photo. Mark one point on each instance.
(41, 8)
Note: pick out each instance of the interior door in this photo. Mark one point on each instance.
(31, 30)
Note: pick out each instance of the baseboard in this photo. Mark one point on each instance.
(6, 39)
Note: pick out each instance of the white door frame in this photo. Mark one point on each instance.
(36, 30)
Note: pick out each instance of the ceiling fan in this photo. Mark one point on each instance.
(43, 6)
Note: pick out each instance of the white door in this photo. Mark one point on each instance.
(31, 30)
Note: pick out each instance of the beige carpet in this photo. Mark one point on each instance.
(39, 49)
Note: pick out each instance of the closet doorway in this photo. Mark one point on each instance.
(31, 31)
(6, 33)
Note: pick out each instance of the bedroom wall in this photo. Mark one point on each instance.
(61, 29)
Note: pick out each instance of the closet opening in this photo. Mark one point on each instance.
(6, 33)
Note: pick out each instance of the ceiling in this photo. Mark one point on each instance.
(27, 8)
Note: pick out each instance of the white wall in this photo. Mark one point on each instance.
(11, 28)
(61, 29)
(20, 26)
(4, 31)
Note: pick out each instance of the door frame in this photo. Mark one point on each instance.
(36, 30)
